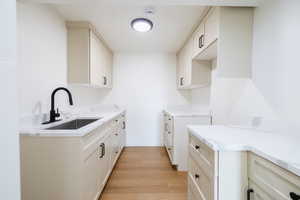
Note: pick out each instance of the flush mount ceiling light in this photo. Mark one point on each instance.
(141, 24)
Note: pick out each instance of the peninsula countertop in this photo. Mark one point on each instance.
(279, 148)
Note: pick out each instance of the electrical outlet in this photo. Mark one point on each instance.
(256, 121)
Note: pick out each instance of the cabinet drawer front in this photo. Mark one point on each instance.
(168, 128)
(170, 138)
(271, 179)
(203, 181)
(259, 193)
(203, 155)
(168, 123)
(165, 138)
(193, 190)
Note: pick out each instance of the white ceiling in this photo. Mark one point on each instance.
(159, 2)
(172, 24)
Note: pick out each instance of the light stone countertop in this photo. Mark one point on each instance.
(280, 148)
(39, 130)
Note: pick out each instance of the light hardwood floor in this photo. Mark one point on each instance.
(145, 173)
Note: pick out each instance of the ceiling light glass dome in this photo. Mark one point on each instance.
(141, 24)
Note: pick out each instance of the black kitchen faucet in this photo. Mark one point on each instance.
(53, 113)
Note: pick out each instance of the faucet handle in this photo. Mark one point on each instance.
(57, 114)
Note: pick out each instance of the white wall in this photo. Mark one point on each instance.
(276, 57)
(42, 60)
(251, 109)
(145, 84)
(9, 137)
(42, 55)
(272, 93)
(201, 96)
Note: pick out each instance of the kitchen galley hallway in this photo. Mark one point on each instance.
(145, 173)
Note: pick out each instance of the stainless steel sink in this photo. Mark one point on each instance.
(74, 124)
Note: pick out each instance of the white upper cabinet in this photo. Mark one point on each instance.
(224, 37)
(207, 33)
(89, 58)
(180, 67)
(196, 73)
(191, 73)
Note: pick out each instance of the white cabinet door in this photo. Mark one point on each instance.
(104, 161)
(188, 62)
(89, 59)
(115, 146)
(211, 27)
(185, 64)
(97, 64)
(108, 60)
(92, 174)
(199, 39)
(78, 56)
(180, 68)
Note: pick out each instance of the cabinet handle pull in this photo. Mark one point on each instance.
(201, 41)
(181, 81)
(124, 125)
(104, 80)
(197, 147)
(104, 149)
(102, 145)
(169, 132)
(249, 191)
(197, 176)
(294, 196)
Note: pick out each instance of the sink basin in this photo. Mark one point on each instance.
(74, 124)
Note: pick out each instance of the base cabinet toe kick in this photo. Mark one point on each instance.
(71, 168)
(236, 175)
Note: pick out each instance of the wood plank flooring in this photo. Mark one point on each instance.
(145, 173)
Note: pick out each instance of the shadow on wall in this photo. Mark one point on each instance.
(238, 102)
(186, 94)
(253, 110)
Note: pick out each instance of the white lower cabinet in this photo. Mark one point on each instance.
(268, 181)
(175, 137)
(96, 169)
(70, 168)
(236, 175)
(215, 175)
